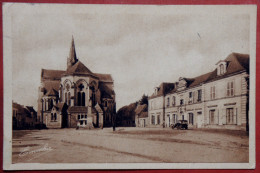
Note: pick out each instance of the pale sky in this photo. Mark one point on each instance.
(141, 46)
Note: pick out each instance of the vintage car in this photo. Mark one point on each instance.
(181, 124)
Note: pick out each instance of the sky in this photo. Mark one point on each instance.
(140, 46)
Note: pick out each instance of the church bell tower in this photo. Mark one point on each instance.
(72, 59)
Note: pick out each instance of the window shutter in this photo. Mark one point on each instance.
(224, 119)
(235, 116)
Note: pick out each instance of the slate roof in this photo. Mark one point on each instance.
(51, 74)
(52, 92)
(105, 91)
(163, 89)
(144, 115)
(21, 110)
(104, 77)
(51, 87)
(236, 62)
(60, 106)
(31, 109)
(140, 108)
(78, 109)
(78, 68)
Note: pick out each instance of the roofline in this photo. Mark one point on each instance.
(79, 74)
(232, 74)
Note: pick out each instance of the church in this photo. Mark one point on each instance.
(76, 97)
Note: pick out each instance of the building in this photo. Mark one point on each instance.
(156, 104)
(76, 96)
(23, 117)
(218, 99)
(141, 115)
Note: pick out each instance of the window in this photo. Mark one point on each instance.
(69, 98)
(173, 100)
(174, 119)
(85, 122)
(81, 122)
(86, 116)
(213, 118)
(199, 95)
(78, 117)
(55, 116)
(158, 119)
(212, 93)
(230, 88)
(181, 102)
(93, 98)
(191, 118)
(153, 119)
(52, 117)
(66, 98)
(182, 117)
(168, 101)
(190, 97)
(51, 103)
(221, 67)
(82, 116)
(81, 98)
(231, 118)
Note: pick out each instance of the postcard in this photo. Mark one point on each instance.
(129, 86)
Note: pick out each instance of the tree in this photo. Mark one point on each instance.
(144, 100)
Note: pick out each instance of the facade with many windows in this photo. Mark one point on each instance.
(218, 99)
(76, 96)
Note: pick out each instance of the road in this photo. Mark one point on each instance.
(129, 145)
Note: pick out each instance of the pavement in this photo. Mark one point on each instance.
(130, 145)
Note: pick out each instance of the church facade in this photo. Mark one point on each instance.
(218, 99)
(76, 96)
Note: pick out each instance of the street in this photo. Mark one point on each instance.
(130, 145)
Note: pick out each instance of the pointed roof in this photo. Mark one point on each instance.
(104, 77)
(60, 106)
(52, 92)
(72, 55)
(51, 74)
(78, 68)
(106, 92)
(140, 108)
(236, 62)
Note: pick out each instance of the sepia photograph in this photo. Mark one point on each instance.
(129, 86)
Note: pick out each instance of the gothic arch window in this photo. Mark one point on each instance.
(81, 96)
(93, 98)
(66, 98)
(69, 98)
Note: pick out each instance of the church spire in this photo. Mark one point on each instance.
(72, 59)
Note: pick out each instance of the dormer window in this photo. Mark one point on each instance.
(156, 90)
(221, 67)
